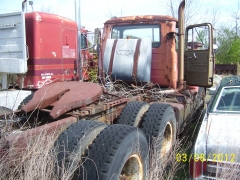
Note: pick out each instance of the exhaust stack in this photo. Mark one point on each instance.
(23, 5)
(181, 82)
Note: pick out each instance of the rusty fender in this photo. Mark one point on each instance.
(20, 141)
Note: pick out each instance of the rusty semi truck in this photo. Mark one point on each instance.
(110, 134)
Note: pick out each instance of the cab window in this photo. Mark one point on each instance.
(138, 32)
(198, 38)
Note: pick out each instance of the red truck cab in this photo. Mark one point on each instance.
(52, 45)
(51, 48)
(163, 56)
(164, 65)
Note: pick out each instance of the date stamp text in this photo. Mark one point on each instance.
(215, 157)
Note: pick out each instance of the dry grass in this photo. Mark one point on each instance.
(166, 167)
(34, 158)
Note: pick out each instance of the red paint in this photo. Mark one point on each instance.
(52, 45)
(197, 167)
(164, 58)
(46, 35)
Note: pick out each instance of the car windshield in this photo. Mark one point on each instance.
(229, 100)
(137, 32)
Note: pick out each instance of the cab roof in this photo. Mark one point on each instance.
(49, 18)
(143, 18)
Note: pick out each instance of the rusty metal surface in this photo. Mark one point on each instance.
(164, 58)
(20, 140)
(194, 45)
(143, 18)
(65, 96)
(103, 111)
(110, 115)
(179, 112)
(112, 57)
(136, 56)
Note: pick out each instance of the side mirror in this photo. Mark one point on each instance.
(215, 48)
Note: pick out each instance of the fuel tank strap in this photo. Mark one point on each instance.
(136, 56)
(112, 57)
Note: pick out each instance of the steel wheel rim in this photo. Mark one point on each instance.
(167, 139)
(132, 169)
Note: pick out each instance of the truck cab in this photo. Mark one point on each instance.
(158, 61)
(40, 48)
(37, 49)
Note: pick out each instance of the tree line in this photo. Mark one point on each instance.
(227, 35)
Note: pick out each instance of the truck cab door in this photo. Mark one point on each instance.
(199, 55)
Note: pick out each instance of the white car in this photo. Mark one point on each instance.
(216, 153)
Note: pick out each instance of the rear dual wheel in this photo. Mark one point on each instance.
(159, 125)
(73, 142)
(157, 121)
(132, 113)
(117, 152)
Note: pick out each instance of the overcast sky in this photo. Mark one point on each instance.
(95, 12)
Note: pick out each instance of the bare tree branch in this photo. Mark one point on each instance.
(192, 9)
(212, 15)
(117, 12)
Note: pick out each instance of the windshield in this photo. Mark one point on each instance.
(229, 100)
(83, 41)
(137, 32)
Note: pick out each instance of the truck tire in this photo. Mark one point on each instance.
(159, 125)
(119, 152)
(132, 113)
(72, 143)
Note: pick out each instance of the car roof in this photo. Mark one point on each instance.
(230, 81)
